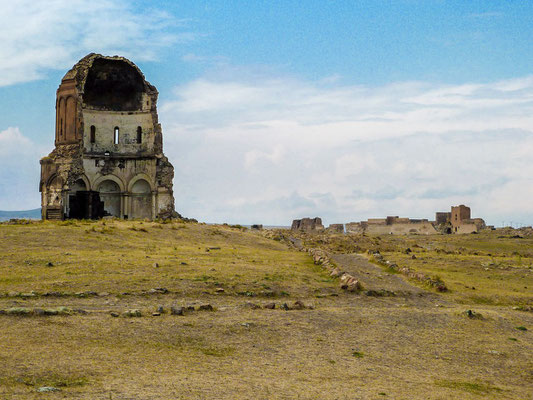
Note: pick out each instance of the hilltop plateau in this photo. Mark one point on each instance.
(150, 310)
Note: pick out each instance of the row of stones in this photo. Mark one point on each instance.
(347, 281)
(437, 283)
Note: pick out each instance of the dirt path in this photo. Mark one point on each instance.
(375, 278)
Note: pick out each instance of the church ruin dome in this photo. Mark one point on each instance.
(108, 159)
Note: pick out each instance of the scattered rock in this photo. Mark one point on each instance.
(133, 313)
(86, 294)
(473, 315)
(380, 293)
(284, 306)
(113, 314)
(205, 307)
(413, 257)
(183, 263)
(49, 264)
(336, 272)
(156, 314)
(349, 283)
(270, 306)
(18, 311)
(190, 308)
(159, 290)
(45, 389)
(219, 290)
(298, 305)
(156, 265)
(160, 309)
(253, 306)
(53, 294)
(177, 310)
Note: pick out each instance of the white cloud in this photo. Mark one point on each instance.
(38, 36)
(269, 149)
(19, 171)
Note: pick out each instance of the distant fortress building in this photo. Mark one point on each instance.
(108, 158)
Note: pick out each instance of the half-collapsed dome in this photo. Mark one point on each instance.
(108, 159)
(113, 85)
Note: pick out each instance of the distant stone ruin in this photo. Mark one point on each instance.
(458, 221)
(336, 228)
(393, 225)
(108, 158)
(307, 224)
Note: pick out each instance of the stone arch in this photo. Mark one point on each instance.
(141, 198)
(110, 195)
(54, 189)
(138, 177)
(110, 177)
(77, 199)
(110, 188)
(85, 181)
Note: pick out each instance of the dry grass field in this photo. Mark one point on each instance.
(66, 289)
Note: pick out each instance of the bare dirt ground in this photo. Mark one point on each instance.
(373, 277)
(393, 340)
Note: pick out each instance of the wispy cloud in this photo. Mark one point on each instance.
(409, 148)
(19, 171)
(38, 36)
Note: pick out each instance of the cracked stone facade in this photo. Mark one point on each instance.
(108, 158)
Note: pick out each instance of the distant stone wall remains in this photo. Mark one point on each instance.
(336, 228)
(389, 226)
(307, 224)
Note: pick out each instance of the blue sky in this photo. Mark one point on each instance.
(273, 110)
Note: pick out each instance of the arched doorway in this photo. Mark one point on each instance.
(141, 200)
(110, 195)
(54, 198)
(76, 204)
(54, 189)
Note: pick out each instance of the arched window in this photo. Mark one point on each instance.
(116, 137)
(139, 135)
(93, 134)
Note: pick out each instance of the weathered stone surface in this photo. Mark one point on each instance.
(307, 224)
(349, 283)
(133, 313)
(337, 228)
(108, 157)
(45, 389)
(158, 291)
(174, 310)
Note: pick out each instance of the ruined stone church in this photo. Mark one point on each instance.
(108, 158)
